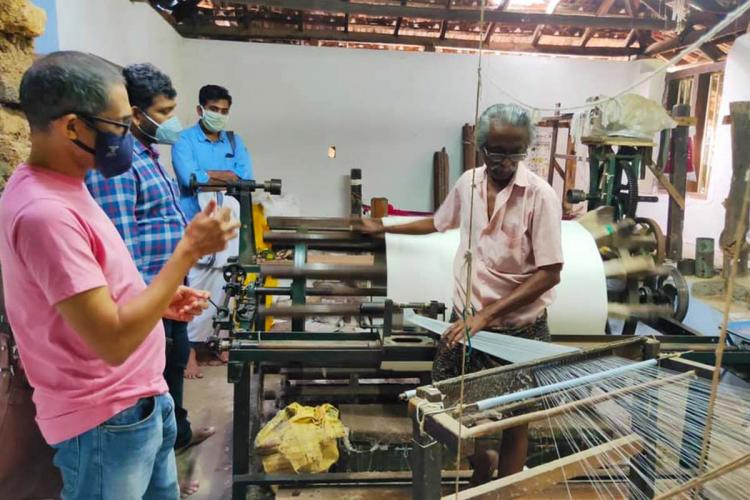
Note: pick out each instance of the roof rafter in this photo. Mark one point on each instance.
(468, 15)
(210, 30)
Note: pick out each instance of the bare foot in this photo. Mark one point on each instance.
(221, 359)
(199, 435)
(188, 488)
(192, 370)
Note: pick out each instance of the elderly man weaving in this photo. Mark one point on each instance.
(517, 259)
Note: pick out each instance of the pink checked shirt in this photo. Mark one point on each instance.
(522, 235)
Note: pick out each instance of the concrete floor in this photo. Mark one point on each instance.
(209, 402)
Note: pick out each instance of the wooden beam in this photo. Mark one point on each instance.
(664, 181)
(734, 221)
(398, 26)
(206, 30)
(690, 36)
(707, 5)
(632, 37)
(714, 473)
(712, 52)
(676, 213)
(696, 70)
(537, 35)
(490, 31)
(446, 429)
(493, 26)
(630, 9)
(469, 15)
(601, 11)
(540, 28)
(533, 481)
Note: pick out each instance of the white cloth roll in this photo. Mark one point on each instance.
(420, 269)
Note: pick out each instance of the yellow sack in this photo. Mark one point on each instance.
(301, 439)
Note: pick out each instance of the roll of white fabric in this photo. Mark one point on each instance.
(420, 269)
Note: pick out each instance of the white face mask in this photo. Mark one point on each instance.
(213, 121)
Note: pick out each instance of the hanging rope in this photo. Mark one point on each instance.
(468, 257)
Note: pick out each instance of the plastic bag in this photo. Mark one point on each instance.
(301, 439)
(632, 115)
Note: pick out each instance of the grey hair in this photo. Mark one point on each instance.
(66, 82)
(510, 115)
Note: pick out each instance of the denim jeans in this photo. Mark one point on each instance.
(174, 373)
(130, 456)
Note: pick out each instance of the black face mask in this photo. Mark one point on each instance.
(113, 153)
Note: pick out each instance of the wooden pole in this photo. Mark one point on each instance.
(440, 178)
(726, 468)
(676, 215)
(737, 109)
(468, 148)
(553, 149)
(493, 427)
(732, 237)
(355, 195)
(570, 175)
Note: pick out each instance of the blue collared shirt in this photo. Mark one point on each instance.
(143, 205)
(196, 154)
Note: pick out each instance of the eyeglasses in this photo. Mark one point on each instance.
(90, 121)
(500, 154)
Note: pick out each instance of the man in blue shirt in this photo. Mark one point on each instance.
(143, 204)
(206, 152)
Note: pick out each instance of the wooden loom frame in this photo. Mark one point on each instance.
(444, 428)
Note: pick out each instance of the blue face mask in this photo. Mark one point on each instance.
(166, 133)
(113, 153)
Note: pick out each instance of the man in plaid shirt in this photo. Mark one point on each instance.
(144, 205)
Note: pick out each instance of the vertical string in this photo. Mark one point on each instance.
(739, 242)
(469, 251)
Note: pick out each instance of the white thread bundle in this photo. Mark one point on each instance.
(669, 418)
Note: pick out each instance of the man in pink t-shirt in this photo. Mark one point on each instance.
(514, 230)
(88, 330)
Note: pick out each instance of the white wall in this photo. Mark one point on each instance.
(704, 217)
(121, 31)
(386, 112)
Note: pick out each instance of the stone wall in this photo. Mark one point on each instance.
(20, 23)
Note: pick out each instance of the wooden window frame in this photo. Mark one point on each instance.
(698, 100)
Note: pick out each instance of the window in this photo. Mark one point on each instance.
(701, 88)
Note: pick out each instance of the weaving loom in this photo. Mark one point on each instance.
(622, 422)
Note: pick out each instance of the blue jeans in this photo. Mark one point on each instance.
(178, 352)
(130, 456)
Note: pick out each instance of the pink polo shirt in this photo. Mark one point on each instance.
(55, 242)
(522, 235)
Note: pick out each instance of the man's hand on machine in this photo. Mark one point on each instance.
(187, 303)
(222, 176)
(458, 329)
(370, 226)
(209, 231)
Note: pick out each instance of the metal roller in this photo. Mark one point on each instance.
(327, 291)
(312, 223)
(323, 271)
(305, 310)
(324, 240)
